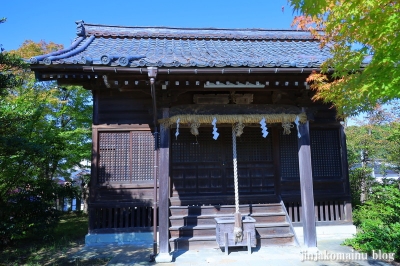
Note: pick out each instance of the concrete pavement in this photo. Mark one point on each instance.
(330, 252)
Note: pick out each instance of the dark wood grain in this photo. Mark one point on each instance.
(306, 187)
(164, 187)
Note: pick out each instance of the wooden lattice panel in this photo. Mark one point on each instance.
(114, 157)
(289, 156)
(142, 156)
(253, 147)
(125, 157)
(189, 148)
(325, 153)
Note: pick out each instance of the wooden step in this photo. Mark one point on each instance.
(198, 242)
(184, 220)
(224, 209)
(223, 200)
(186, 243)
(267, 229)
(195, 226)
(276, 240)
(195, 220)
(192, 231)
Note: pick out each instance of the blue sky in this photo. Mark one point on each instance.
(55, 20)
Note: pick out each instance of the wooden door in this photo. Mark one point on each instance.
(202, 167)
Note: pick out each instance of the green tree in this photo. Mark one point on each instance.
(394, 147)
(358, 33)
(368, 140)
(378, 220)
(44, 132)
(9, 64)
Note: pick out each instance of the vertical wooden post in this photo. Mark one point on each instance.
(163, 205)
(306, 187)
(277, 163)
(95, 95)
(345, 164)
(93, 174)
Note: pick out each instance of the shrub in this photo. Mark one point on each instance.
(378, 220)
(360, 184)
(28, 209)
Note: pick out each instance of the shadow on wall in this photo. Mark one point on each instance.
(120, 213)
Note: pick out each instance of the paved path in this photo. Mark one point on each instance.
(276, 256)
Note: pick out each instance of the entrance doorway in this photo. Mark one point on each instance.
(202, 168)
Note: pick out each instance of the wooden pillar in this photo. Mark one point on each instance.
(163, 205)
(306, 187)
(93, 175)
(95, 95)
(276, 158)
(345, 164)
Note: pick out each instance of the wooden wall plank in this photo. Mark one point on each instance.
(348, 211)
(110, 218)
(137, 216)
(337, 214)
(123, 108)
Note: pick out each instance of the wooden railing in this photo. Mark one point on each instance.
(120, 217)
(326, 211)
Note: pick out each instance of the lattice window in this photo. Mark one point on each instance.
(289, 156)
(325, 153)
(251, 146)
(114, 157)
(142, 156)
(189, 148)
(125, 156)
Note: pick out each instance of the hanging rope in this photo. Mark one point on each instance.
(237, 231)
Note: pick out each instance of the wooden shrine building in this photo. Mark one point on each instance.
(168, 104)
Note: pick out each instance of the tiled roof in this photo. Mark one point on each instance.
(184, 47)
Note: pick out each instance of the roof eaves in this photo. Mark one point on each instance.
(36, 59)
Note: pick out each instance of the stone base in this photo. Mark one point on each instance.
(328, 231)
(163, 258)
(142, 239)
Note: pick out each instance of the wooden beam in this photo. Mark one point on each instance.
(306, 187)
(163, 206)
